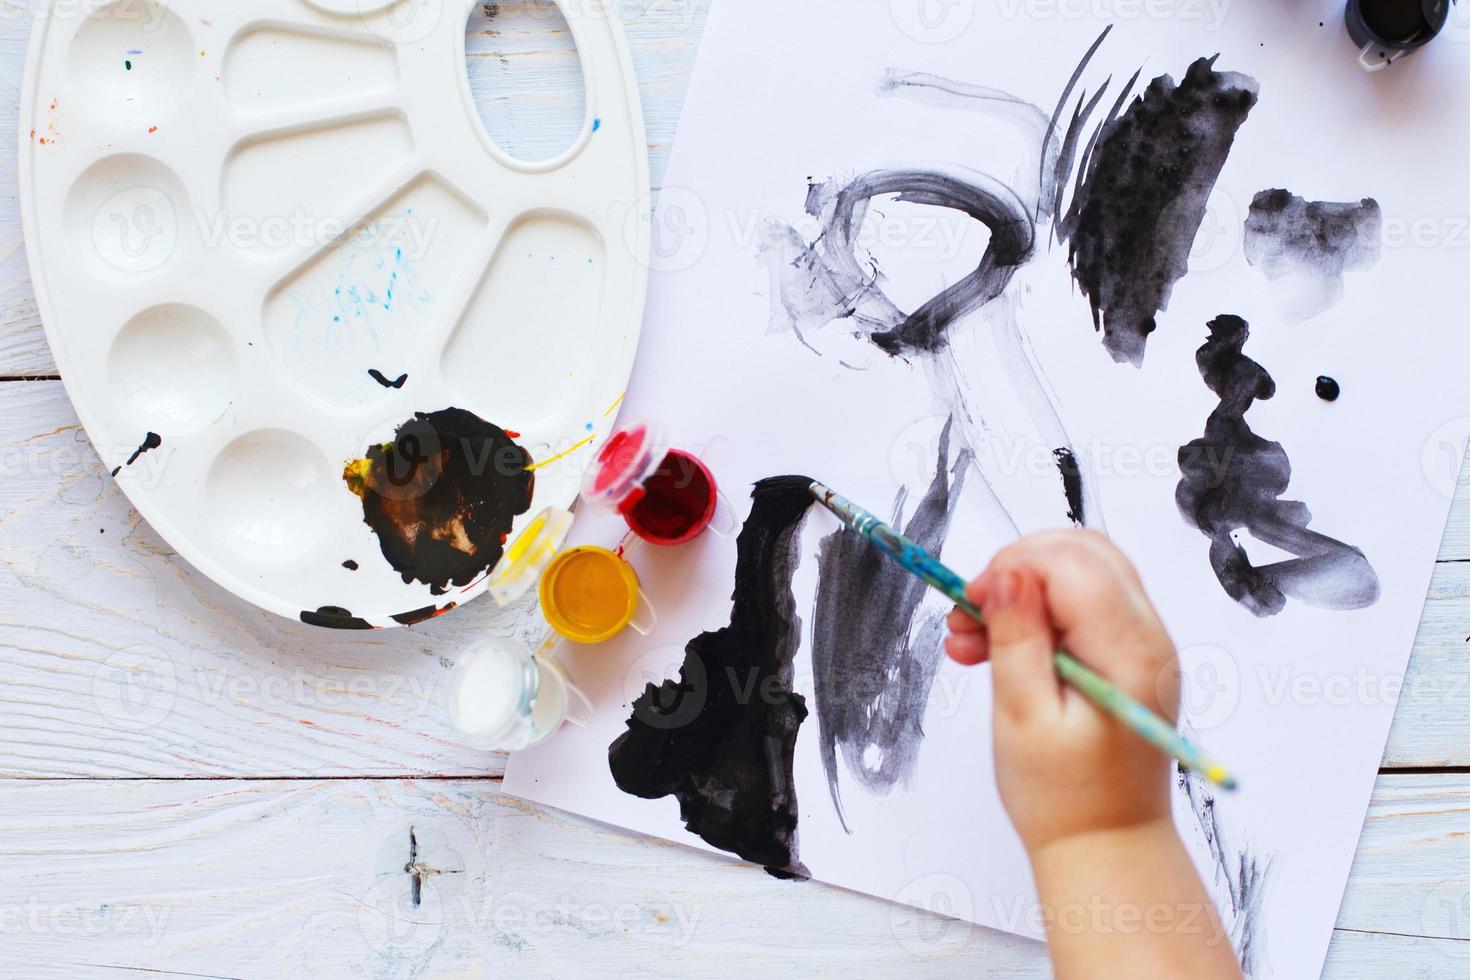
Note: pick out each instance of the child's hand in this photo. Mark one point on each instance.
(1065, 767)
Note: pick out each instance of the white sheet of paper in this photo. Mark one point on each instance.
(1298, 704)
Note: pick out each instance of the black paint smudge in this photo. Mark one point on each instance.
(1328, 389)
(1244, 873)
(335, 618)
(822, 282)
(873, 657)
(1232, 479)
(1308, 246)
(350, 565)
(443, 496)
(1142, 188)
(382, 379)
(1071, 472)
(423, 615)
(721, 739)
(150, 442)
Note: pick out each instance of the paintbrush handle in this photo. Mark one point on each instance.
(1086, 681)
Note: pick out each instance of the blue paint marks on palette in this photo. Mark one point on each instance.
(596, 125)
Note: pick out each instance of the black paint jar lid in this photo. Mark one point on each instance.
(1398, 25)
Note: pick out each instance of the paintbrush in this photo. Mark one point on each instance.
(1093, 686)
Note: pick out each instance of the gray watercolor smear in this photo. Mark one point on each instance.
(874, 651)
(1142, 187)
(822, 282)
(1244, 873)
(1232, 480)
(816, 284)
(1305, 247)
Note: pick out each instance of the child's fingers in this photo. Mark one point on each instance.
(967, 649)
(1021, 642)
(961, 622)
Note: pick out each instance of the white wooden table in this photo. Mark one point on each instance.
(190, 786)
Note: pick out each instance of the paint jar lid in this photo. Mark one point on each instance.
(492, 691)
(627, 460)
(527, 556)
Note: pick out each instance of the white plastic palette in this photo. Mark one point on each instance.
(248, 221)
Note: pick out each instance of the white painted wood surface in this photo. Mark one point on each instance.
(193, 787)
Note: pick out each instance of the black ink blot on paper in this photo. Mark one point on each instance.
(443, 496)
(1305, 247)
(721, 738)
(1233, 480)
(1328, 389)
(1141, 195)
(874, 655)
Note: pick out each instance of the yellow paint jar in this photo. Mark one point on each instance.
(590, 594)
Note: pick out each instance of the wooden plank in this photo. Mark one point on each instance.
(308, 878)
(520, 43)
(121, 660)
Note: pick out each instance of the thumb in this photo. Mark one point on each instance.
(1022, 644)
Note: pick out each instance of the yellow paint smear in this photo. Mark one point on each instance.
(561, 456)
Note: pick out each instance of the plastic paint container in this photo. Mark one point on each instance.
(590, 595)
(667, 496)
(528, 555)
(504, 698)
(1395, 25)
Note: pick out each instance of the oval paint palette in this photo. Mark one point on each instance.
(337, 346)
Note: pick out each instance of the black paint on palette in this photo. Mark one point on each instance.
(874, 654)
(1143, 183)
(1309, 245)
(1233, 480)
(383, 379)
(443, 495)
(334, 618)
(721, 738)
(150, 442)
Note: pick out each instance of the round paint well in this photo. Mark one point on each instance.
(126, 216)
(173, 368)
(675, 504)
(270, 496)
(132, 59)
(589, 594)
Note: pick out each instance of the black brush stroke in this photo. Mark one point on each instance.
(1244, 872)
(825, 281)
(1232, 480)
(1071, 472)
(873, 663)
(721, 739)
(335, 618)
(1142, 197)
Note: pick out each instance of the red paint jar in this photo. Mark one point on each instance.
(667, 496)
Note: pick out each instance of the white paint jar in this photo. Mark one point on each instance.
(504, 698)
